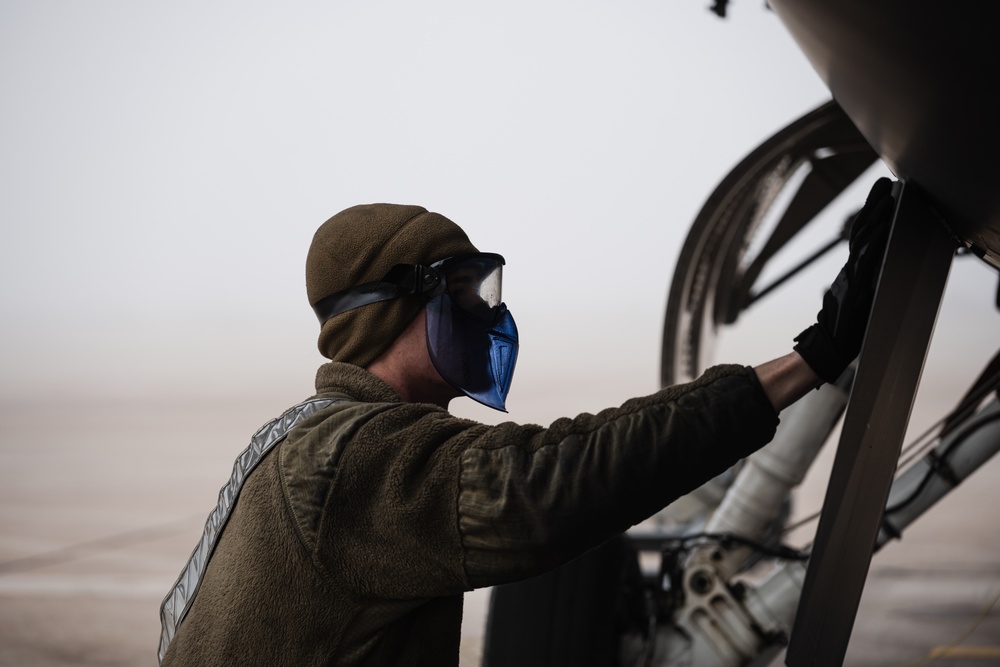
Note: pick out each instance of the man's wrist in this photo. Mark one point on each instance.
(786, 379)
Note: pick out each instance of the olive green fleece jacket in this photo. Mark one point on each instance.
(353, 541)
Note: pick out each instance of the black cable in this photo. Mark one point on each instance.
(913, 496)
(991, 384)
(939, 463)
(726, 540)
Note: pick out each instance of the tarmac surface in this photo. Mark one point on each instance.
(101, 504)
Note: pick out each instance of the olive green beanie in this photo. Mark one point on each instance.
(360, 245)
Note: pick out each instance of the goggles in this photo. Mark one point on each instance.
(472, 281)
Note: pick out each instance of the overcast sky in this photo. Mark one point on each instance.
(164, 166)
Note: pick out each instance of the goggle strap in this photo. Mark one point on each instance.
(401, 280)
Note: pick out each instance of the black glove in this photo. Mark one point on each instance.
(835, 340)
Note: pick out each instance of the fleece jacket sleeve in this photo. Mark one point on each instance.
(421, 504)
(526, 507)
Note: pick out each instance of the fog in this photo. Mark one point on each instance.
(164, 167)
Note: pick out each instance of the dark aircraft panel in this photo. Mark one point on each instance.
(919, 80)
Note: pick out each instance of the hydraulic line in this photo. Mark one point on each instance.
(754, 502)
(960, 453)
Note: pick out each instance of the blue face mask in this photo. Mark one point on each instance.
(471, 336)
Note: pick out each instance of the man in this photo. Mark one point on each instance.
(355, 522)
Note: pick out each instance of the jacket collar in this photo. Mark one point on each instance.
(341, 378)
